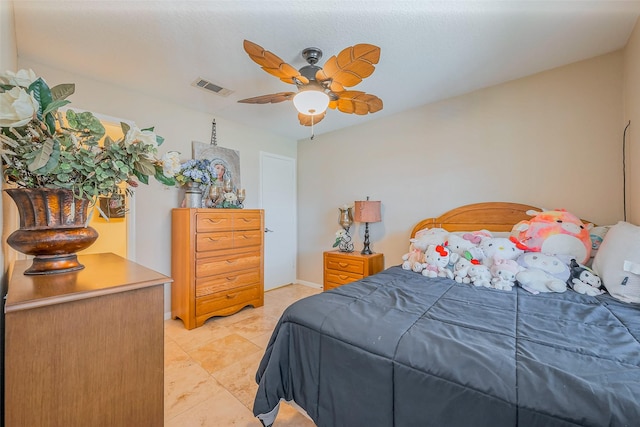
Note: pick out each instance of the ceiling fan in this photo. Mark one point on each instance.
(319, 88)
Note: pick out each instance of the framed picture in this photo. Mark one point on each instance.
(225, 160)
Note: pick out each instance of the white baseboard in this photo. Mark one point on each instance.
(310, 284)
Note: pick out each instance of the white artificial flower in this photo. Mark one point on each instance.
(17, 107)
(230, 197)
(340, 233)
(170, 164)
(146, 137)
(22, 78)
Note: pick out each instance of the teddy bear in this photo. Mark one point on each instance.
(503, 273)
(555, 232)
(480, 275)
(436, 259)
(542, 273)
(498, 247)
(583, 280)
(413, 259)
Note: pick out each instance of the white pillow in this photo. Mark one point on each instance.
(618, 262)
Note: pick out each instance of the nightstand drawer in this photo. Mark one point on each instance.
(340, 277)
(341, 268)
(349, 265)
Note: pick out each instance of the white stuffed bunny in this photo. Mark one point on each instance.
(461, 270)
(480, 275)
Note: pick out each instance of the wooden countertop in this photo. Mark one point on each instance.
(103, 274)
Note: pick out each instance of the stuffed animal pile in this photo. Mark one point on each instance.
(547, 253)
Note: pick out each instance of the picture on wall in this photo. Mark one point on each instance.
(225, 160)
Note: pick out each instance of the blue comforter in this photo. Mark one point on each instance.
(399, 349)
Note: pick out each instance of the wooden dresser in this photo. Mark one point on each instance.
(341, 268)
(85, 348)
(216, 262)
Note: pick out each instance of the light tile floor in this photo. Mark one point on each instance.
(209, 372)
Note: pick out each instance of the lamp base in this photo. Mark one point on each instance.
(366, 250)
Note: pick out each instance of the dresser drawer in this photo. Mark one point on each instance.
(227, 264)
(242, 239)
(342, 264)
(228, 240)
(212, 221)
(247, 220)
(222, 300)
(340, 277)
(226, 282)
(214, 241)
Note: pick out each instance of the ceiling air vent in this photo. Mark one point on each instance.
(212, 87)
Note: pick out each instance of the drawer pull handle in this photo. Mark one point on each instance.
(232, 278)
(343, 264)
(344, 277)
(214, 221)
(231, 296)
(211, 239)
(231, 261)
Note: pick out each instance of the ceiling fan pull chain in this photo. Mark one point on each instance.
(312, 134)
(214, 140)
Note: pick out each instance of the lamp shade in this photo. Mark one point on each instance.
(311, 102)
(367, 211)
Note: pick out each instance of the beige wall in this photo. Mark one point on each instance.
(632, 115)
(551, 140)
(179, 126)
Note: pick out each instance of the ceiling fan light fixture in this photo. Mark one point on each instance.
(311, 102)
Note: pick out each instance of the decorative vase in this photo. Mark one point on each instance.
(345, 219)
(192, 195)
(52, 229)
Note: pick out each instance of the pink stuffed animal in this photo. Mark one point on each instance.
(555, 232)
(413, 259)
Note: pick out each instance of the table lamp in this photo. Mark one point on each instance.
(367, 211)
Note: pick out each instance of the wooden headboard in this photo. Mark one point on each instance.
(492, 216)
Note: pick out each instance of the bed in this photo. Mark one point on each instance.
(400, 349)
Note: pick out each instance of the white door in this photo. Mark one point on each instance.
(278, 199)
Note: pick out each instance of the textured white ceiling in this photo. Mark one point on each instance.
(429, 50)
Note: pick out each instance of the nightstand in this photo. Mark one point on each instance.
(341, 268)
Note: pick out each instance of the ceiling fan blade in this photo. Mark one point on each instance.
(272, 98)
(350, 66)
(357, 102)
(305, 119)
(272, 64)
